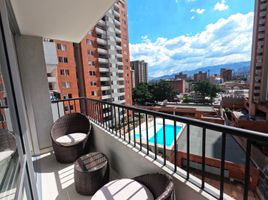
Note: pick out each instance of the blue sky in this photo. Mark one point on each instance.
(178, 35)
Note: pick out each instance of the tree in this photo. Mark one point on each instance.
(206, 89)
(141, 94)
(158, 91)
(162, 90)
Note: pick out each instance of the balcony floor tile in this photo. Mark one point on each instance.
(55, 180)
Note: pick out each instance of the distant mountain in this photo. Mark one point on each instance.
(238, 68)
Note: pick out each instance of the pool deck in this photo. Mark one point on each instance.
(159, 121)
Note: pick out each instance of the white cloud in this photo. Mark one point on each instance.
(226, 41)
(221, 6)
(193, 17)
(198, 10)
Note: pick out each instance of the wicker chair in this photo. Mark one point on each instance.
(68, 124)
(160, 185)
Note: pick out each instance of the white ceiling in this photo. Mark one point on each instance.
(68, 20)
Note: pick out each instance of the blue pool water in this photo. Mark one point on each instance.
(169, 130)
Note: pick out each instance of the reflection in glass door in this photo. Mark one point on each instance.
(16, 170)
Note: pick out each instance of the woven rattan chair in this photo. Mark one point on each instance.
(160, 185)
(67, 126)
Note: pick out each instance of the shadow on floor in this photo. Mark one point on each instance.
(55, 180)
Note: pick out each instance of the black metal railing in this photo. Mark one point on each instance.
(125, 121)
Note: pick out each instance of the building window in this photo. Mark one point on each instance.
(63, 59)
(89, 33)
(62, 47)
(66, 84)
(67, 96)
(92, 73)
(50, 86)
(93, 83)
(64, 72)
(89, 42)
(90, 53)
(93, 93)
(91, 63)
(126, 60)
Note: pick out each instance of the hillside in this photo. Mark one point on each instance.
(238, 68)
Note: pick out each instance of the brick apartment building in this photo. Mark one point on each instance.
(99, 66)
(226, 74)
(140, 69)
(258, 100)
(200, 76)
(181, 76)
(179, 85)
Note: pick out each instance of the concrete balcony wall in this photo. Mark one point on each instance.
(129, 162)
(35, 89)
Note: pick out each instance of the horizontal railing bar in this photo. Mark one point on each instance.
(249, 134)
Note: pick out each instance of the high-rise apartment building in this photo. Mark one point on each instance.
(99, 66)
(258, 100)
(226, 74)
(200, 76)
(181, 76)
(105, 58)
(140, 71)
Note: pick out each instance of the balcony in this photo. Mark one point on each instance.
(101, 22)
(103, 60)
(100, 31)
(102, 51)
(116, 13)
(105, 88)
(118, 39)
(197, 156)
(101, 41)
(118, 47)
(188, 160)
(118, 31)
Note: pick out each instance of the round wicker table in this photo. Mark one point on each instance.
(91, 172)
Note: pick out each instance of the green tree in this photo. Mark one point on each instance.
(162, 90)
(141, 94)
(206, 89)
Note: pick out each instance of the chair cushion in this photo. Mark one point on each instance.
(71, 139)
(123, 189)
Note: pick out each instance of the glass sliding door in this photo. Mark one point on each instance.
(17, 179)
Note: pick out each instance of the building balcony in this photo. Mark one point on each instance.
(118, 31)
(104, 69)
(105, 88)
(104, 78)
(118, 39)
(116, 13)
(120, 63)
(101, 23)
(119, 55)
(102, 51)
(103, 60)
(147, 156)
(100, 31)
(116, 22)
(118, 47)
(107, 96)
(101, 41)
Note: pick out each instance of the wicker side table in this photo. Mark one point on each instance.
(91, 172)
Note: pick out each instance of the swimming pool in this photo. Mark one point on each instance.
(169, 130)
